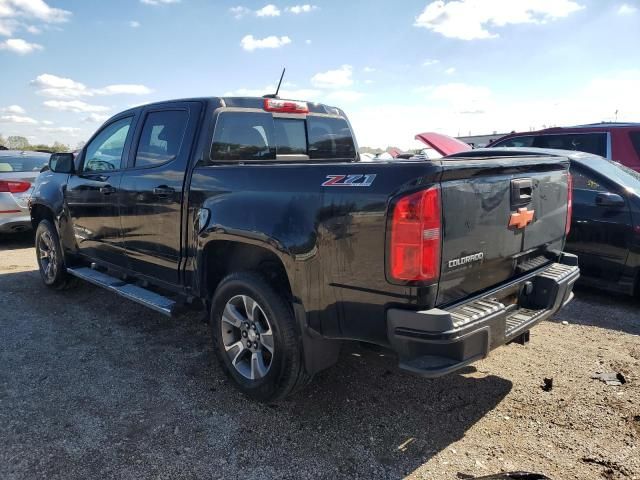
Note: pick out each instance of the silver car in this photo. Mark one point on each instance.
(18, 173)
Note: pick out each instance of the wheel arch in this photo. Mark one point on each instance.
(218, 258)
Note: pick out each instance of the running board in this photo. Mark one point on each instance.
(140, 295)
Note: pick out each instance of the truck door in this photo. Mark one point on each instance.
(600, 235)
(152, 186)
(92, 195)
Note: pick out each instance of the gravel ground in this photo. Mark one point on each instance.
(94, 386)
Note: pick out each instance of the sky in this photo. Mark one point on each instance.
(396, 67)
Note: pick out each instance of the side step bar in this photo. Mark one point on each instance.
(140, 295)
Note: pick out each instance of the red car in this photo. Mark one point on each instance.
(615, 141)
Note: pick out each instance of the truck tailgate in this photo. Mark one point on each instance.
(500, 216)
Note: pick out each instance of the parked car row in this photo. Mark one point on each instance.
(18, 172)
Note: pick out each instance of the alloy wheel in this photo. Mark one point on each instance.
(247, 337)
(47, 256)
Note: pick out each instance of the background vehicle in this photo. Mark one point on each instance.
(260, 211)
(605, 227)
(614, 141)
(18, 171)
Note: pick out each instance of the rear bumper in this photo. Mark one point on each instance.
(14, 216)
(436, 342)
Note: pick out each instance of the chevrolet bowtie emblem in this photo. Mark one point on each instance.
(521, 218)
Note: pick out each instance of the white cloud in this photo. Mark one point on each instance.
(47, 122)
(13, 13)
(159, 2)
(70, 130)
(95, 118)
(430, 62)
(461, 109)
(268, 11)
(123, 89)
(59, 87)
(17, 109)
(134, 24)
(287, 93)
(626, 9)
(239, 11)
(344, 95)
(339, 78)
(368, 69)
(307, 41)
(17, 119)
(19, 46)
(249, 43)
(470, 19)
(450, 71)
(32, 29)
(75, 106)
(298, 9)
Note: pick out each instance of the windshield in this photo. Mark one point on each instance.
(22, 163)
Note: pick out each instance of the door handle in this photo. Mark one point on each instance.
(107, 189)
(163, 191)
(521, 191)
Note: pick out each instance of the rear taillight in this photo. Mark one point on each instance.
(414, 250)
(12, 186)
(285, 106)
(567, 227)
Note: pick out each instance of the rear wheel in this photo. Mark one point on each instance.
(50, 257)
(255, 339)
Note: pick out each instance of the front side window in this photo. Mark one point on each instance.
(162, 137)
(105, 151)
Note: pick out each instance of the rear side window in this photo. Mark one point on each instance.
(162, 137)
(243, 136)
(248, 136)
(595, 143)
(635, 140)
(20, 163)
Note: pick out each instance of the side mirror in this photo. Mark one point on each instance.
(606, 199)
(62, 162)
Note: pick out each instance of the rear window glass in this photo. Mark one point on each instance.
(515, 142)
(20, 163)
(330, 138)
(248, 136)
(635, 140)
(595, 143)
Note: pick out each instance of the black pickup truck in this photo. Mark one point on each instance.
(259, 210)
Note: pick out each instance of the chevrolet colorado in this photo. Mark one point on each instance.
(259, 210)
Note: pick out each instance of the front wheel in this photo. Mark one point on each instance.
(50, 257)
(255, 339)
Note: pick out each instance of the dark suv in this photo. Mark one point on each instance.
(615, 141)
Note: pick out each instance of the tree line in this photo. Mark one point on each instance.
(16, 142)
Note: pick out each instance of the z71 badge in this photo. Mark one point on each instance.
(349, 180)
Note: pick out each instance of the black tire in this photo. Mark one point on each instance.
(50, 257)
(286, 371)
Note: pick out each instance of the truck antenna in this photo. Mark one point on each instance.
(275, 95)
